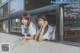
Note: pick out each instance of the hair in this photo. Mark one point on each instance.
(42, 16)
(26, 16)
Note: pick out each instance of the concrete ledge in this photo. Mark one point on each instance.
(33, 46)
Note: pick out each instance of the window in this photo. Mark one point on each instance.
(5, 26)
(19, 5)
(15, 25)
(33, 4)
(1, 12)
(72, 22)
(5, 10)
(73, 0)
(3, 1)
(1, 27)
(51, 16)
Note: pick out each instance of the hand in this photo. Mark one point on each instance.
(45, 24)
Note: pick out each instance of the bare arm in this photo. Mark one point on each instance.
(37, 35)
(41, 33)
(30, 37)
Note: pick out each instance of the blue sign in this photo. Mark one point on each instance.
(52, 2)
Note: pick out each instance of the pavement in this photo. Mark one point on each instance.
(32, 46)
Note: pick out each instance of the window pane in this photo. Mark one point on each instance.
(15, 26)
(33, 4)
(5, 10)
(51, 18)
(72, 22)
(73, 0)
(1, 27)
(1, 12)
(16, 5)
(3, 1)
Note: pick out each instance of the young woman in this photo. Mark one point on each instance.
(28, 28)
(44, 31)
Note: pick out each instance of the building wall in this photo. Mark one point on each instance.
(0, 1)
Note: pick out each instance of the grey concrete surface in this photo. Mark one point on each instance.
(32, 46)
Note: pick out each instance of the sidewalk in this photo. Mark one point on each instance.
(33, 46)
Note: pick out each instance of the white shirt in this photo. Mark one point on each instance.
(48, 35)
(31, 29)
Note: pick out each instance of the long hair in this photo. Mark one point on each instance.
(43, 17)
(26, 16)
